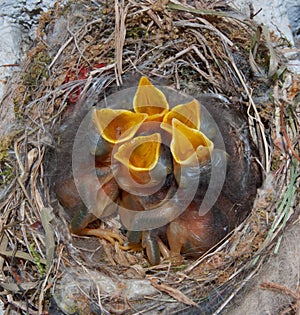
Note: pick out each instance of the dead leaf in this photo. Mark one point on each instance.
(20, 254)
(15, 288)
(175, 293)
(31, 156)
(46, 217)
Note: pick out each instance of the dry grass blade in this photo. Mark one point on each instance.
(296, 155)
(283, 206)
(120, 33)
(176, 5)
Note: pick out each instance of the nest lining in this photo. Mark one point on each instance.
(190, 48)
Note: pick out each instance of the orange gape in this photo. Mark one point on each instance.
(150, 145)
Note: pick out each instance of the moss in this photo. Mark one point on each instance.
(3, 152)
(137, 32)
(6, 163)
(37, 259)
(6, 174)
(17, 111)
(6, 168)
(38, 69)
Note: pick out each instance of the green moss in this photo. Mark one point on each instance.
(137, 32)
(37, 260)
(3, 151)
(6, 174)
(17, 111)
(38, 69)
(6, 167)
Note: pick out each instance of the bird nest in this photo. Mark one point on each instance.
(84, 52)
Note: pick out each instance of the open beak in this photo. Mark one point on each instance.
(145, 163)
(150, 100)
(139, 157)
(188, 114)
(141, 153)
(117, 125)
(188, 145)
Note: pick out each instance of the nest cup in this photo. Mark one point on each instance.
(83, 54)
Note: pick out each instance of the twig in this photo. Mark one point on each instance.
(295, 295)
(281, 288)
(61, 49)
(76, 44)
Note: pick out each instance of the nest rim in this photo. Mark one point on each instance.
(38, 217)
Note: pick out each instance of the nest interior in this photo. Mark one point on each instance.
(83, 53)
